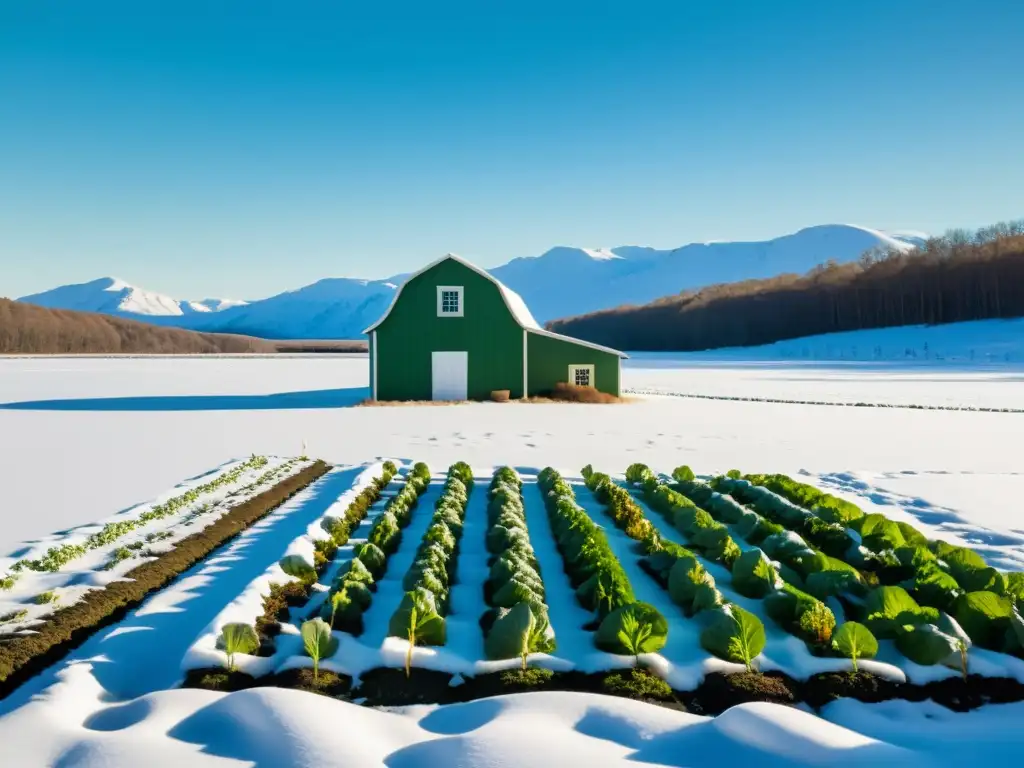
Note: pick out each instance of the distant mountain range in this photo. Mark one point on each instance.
(562, 282)
(112, 296)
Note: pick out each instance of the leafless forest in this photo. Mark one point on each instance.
(28, 329)
(960, 276)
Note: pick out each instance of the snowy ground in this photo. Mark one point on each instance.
(120, 431)
(87, 438)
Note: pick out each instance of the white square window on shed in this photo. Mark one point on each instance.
(581, 375)
(449, 301)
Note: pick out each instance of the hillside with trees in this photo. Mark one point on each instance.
(960, 276)
(31, 330)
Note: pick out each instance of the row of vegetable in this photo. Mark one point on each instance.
(773, 567)
(811, 558)
(26, 653)
(808, 575)
(242, 637)
(57, 557)
(420, 616)
(351, 593)
(142, 548)
(729, 631)
(934, 599)
(517, 623)
(623, 624)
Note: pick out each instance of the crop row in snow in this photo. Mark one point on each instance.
(695, 581)
(351, 594)
(296, 593)
(56, 557)
(23, 654)
(624, 624)
(772, 568)
(933, 600)
(731, 633)
(420, 617)
(517, 624)
(32, 594)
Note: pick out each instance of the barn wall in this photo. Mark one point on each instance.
(549, 360)
(487, 331)
(370, 341)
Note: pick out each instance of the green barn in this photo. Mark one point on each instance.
(454, 332)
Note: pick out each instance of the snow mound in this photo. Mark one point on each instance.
(272, 726)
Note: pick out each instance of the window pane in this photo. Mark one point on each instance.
(450, 302)
(582, 377)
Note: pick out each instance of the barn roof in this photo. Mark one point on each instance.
(513, 301)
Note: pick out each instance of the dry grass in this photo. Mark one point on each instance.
(305, 346)
(368, 403)
(569, 393)
(563, 393)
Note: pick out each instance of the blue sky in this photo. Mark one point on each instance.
(240, 149)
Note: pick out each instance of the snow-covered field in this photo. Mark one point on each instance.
(86, 438)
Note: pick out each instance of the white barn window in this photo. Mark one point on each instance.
(581, 375)
(449, 301)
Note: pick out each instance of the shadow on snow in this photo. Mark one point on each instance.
(142, 653)
(285, 401)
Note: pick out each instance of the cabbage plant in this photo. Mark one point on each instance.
(318, 642)
(633, 629)
(237, 638)
(735, 635)
(683, 474)
(519, 631)
(298, 567)
(854, 641)
(418, 621)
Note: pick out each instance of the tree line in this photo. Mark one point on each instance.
(33, 330)
(963, 275)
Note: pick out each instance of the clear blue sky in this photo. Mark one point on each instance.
(240, 149)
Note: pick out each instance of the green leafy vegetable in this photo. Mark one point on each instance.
(298, 567)
(632, 629)
(984, 616)
(926, 644)
(237, 638)
(753, 575)
(318, 642)
(854, 641)
(418, 621)
(518, 632)
(735, 635)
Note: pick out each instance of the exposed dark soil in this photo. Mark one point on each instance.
(326, 683)
(218, 679)
(819, 690)
(390, 687)
(717, 693)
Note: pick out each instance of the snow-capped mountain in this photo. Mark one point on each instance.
(333, 308)
(561, 282)
(113, 296)
(211, 305)
(573, 281)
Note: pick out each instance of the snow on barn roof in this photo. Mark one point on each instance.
(512, 300)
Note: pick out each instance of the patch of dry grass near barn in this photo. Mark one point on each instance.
(563, 393)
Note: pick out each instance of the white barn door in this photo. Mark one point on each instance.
(450, 375)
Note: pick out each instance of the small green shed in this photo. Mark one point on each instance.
(454, 332)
